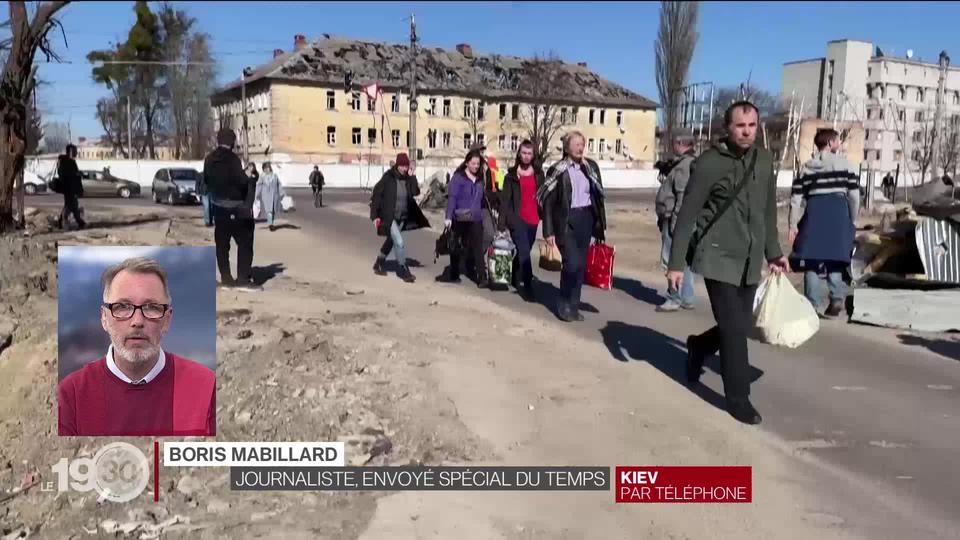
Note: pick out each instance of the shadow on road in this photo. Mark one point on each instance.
(944, 347)
(629, 342)
(638, 290)
(547, 294)
(287, 226)
(263, 274)
(391, 264)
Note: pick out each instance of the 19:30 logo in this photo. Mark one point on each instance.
(119, 472)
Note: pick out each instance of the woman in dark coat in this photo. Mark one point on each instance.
(393, 210)
(519, 214)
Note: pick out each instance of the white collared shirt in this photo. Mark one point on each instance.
(151, 375)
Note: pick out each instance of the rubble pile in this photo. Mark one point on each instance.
(435, 195)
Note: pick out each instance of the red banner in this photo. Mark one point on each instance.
(684, 484)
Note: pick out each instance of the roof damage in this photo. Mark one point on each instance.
(460, 72)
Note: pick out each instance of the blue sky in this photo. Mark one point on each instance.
(614, 38)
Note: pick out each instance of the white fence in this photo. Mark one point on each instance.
(336, 175)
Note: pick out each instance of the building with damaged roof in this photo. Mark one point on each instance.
(297, 104)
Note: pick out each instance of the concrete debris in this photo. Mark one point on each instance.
(244, 334)
(435, 195)
(326, 60)
(188, 485)
(216, 506)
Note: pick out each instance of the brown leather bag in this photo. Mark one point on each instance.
(550, 259)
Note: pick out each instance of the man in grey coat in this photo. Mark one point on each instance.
(668, 202)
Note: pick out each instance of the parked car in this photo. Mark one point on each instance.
(174, 186)
(33, 184)
(104, 184)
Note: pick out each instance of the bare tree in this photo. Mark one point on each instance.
(56, 137)
(674, 48)
(26, 37)
(544, 82)
(113, 120)
(923, 139)
(950, 146)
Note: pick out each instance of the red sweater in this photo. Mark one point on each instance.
(528, 200)
(181, 401)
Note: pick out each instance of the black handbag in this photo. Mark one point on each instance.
(700, 235)
(446, 244)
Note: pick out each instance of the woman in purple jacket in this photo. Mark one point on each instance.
(464, 214)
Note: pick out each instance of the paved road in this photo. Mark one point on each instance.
(881, 409)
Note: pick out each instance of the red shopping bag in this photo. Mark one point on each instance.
(599, 271)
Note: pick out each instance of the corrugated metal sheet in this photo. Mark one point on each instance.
(938, 243)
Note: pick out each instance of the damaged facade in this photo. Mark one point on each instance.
(297, 105)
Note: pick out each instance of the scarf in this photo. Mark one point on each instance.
(550, 183)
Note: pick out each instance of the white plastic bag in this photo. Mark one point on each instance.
(256, 209)
(287, 203)
(784, 316)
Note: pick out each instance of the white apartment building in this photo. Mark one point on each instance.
(894, 98)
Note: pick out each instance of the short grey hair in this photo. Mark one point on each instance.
(570, 136)
(138, 265)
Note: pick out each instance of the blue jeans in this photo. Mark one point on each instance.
(835, 285)
(394, 244)
(685, 295)
(270, 218)
(205, 203)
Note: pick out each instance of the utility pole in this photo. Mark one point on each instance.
(129, 131)
(243, 98)
(938, 114)
(413, 88)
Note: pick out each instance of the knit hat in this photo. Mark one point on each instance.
(226, 137)
(403, 160)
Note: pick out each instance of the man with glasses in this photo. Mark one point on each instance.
(137, 388)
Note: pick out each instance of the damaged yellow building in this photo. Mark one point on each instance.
(297, 105)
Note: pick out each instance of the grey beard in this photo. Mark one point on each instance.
(136, 356)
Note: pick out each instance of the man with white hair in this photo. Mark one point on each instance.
(137, 389)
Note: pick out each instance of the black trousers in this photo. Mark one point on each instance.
(469, 235)
(228, 225)
(733, 310)
(71, 205)
(317, 196)
(573, 250)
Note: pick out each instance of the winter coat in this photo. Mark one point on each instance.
(670, 195)
(741, 240)
(555, 207)
(225, 181)
(69, 175)
(383, 202)
(269, 193)
(463, 193)
(823, 208)
(510, 197)
(316, 179)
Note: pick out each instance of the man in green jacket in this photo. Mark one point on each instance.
(730, 231)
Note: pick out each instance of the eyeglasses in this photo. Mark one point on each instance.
(124, 310)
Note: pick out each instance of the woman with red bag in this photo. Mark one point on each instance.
(572, 208)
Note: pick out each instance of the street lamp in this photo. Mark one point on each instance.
(247, 72)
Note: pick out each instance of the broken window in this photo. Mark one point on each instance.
(920, 95)
(515, 112)
(446, 107)
(395, 104)
(331, 100)
(395, 137)
(603, 146)
(903, 93)
(467, 108)
(432, 107)
(619, 120)
(897, 155)
(467, 141)
(355, 101)
(503, 111)
(618, 146)
(482, 138)
(917, 135)
(590, 117)
(919, 116)
(372, 135)
(590, 146)
(603, 116)
(956, 98)
(514, 142)
(481, 113)
(563, 115)
(446, 139)
(371, 104)
(408, 139)
(431, 138)
(903, 115)
(355, 136)
(576, 114)
(501, 142)
(332, 135)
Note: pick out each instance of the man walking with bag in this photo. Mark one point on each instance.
(728, 225)
(231, 197)
(668, 203)
(316, 184)
(71, 185)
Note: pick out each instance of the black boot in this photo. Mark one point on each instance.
(695, 359)
(483, 282)
(743, 410)
(378, 267)
(834, 309)
(404, 273)
(564, 312)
